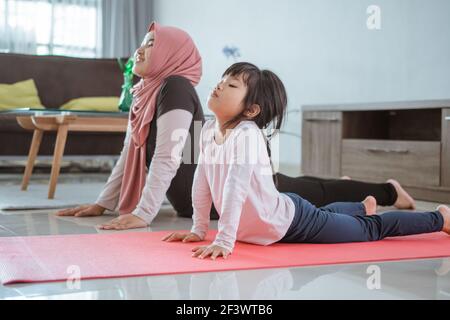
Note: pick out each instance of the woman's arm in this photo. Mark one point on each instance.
(172, 132)
(109, 197)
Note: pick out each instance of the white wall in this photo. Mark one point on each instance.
(322, 49)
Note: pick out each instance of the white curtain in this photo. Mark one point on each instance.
(124, 25)
(83, 28)
(55, 27)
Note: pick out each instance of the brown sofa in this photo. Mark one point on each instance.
(58, 80)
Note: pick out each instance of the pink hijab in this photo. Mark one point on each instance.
(173, 53)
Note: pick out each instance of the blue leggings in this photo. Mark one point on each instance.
(347, 222)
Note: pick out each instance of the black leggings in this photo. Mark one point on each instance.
(319, 192)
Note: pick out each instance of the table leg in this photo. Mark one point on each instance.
(57, 156)
(32, 154)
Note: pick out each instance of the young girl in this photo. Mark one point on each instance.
(234, 173)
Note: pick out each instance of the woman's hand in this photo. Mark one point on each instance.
(183, 237)
(124, 222)
(212, 250)
(90, 210)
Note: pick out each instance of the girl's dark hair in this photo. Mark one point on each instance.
(265, 89)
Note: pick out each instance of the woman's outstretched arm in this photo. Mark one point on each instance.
(173, 130)
(109, 197)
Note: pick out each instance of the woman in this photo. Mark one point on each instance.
(165, 103)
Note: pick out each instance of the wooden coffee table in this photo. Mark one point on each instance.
(62, 124)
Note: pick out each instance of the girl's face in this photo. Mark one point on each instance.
(142, 56)
(227, 97)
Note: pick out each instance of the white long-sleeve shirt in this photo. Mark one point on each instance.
(173, 129)
(237, 177)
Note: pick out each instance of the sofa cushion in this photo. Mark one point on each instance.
(105, 104)
(60, 79)
(19, 95)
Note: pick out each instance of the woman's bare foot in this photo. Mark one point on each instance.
(346, 178)
(404, 200)
(445, 211)
(371, 205)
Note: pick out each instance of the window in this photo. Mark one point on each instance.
(55, 27)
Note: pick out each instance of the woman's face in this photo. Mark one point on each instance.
(227, 97)
(142, 56)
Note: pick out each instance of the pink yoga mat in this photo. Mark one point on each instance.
(54, 258)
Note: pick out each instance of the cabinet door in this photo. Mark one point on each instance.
(445, 160)
(321, 143)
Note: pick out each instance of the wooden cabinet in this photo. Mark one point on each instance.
(445, 162)
(321, 143)
(407, 141)
(412, 163)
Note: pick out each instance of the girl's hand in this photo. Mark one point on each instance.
(211, 250)
(183, 237)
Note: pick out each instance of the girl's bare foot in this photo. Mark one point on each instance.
(346, 178)
(404, 200)
(445, 211)
(371, 205)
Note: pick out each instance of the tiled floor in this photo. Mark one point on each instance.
(420, 279)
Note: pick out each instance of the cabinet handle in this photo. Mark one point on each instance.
(379, 150)
(322, 120)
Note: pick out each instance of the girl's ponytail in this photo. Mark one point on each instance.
(269, 152)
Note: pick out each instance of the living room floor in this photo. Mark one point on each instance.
(414, 279)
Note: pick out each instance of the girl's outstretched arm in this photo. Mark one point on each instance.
(201, 197)
(236, 187)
